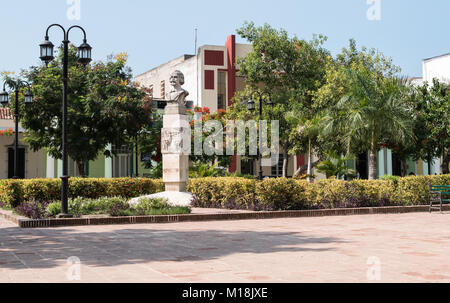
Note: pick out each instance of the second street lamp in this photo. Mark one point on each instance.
(251, 104)
(84, 57)
(4, 100)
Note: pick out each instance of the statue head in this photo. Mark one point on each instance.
(176, 78)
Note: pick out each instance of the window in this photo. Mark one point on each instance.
(73, 168)
(163, 89)
(248, 167)
(150, 91)
(121, 166)
(277, 170)
(222, 91)
(214, 57)
(124, 149)
(121, 161)
(209, 79)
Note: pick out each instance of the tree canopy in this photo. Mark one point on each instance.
(291, 69)
(104, 107)
(364, 103)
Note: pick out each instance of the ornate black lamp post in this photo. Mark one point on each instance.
(252, 106)
(84, 57)
(4, 100)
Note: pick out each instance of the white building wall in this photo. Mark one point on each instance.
(437, 67)
(162, 73)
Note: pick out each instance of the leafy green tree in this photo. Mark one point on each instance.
(198, 119)
(104, 107)
(308, 133)
(365, 103)
(288, 68)
(149, 140)
(431, 107)
(150, 143)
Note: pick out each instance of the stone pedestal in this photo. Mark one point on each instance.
(175, 147)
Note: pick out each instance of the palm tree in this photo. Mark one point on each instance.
(309, 129)
(335, 166)
(373, 112)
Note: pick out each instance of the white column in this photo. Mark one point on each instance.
(50, 167)
(437, 166)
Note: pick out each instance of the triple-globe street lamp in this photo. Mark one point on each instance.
(84, 57)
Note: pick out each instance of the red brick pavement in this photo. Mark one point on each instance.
(394, 248)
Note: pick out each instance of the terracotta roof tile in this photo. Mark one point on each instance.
(5, 114)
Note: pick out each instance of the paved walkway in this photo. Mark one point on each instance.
(392, 248)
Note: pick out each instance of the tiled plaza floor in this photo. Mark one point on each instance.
(405, 248)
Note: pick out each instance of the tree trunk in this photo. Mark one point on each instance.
(404, 168)
(82, 169)
(304, 168)
(285, 160)
(373, 164)
(373, 174)
(445, 162)
(429, 160)
(309, 162)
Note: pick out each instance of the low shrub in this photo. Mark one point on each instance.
(53, 209)
(281, 194)
(15, 192)
(391, 178)
(229, 193)
(415, 190)
(290, 194)
(32, 209)
(153, 207)
(115, 207)
(328, 194)
(225, 192)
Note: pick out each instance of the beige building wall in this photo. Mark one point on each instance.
(209, 97)
(193, 68)
(34, 161)
(6, 124)
(242, 50)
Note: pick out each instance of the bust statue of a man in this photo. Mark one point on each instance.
(177, 93)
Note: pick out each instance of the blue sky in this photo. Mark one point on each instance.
(153, 32)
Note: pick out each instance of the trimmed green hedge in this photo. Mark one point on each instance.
(238, 193)
(289, 194)
(14, 192)
(232, 193)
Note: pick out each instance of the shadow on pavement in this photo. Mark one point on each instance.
(47, 248)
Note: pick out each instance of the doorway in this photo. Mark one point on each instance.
(248, 167)
(362, 166)
(21, 164)
(396, 166)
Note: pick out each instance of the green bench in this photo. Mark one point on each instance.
(440, 194)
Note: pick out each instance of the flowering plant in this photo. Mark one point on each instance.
(7, 132)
